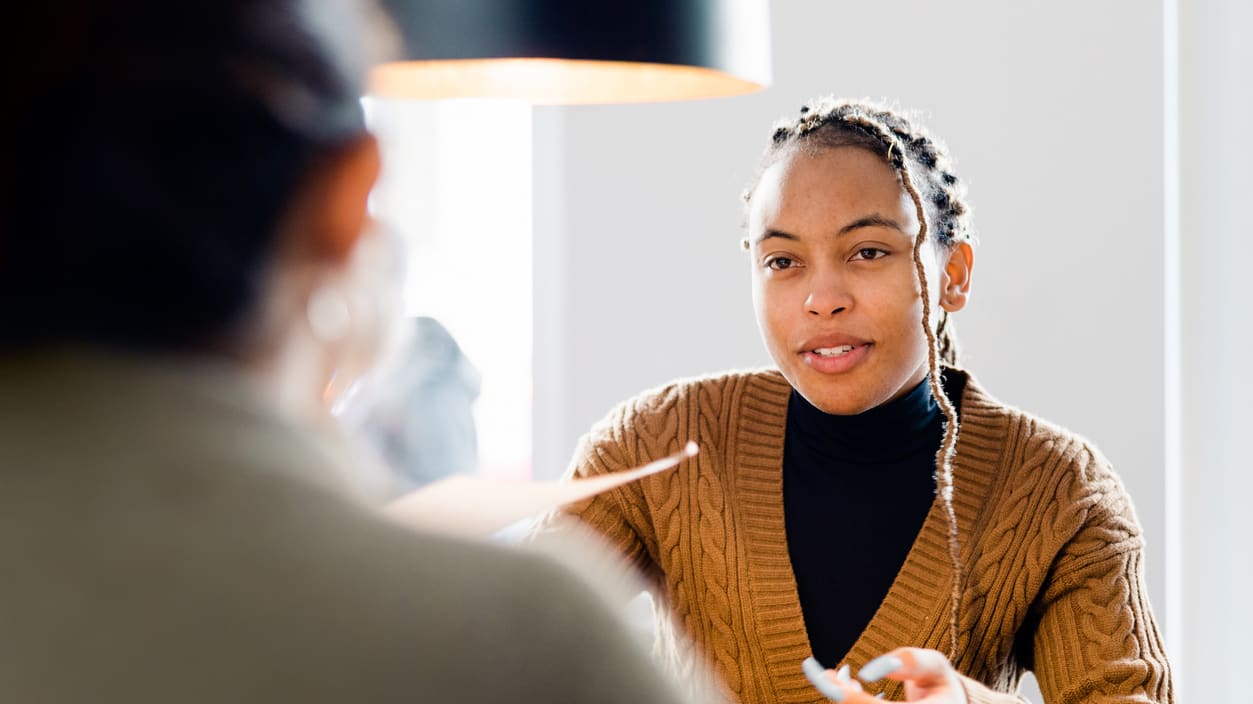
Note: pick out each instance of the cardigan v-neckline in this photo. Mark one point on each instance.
(922, 586)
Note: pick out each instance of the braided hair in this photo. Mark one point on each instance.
(924, 168)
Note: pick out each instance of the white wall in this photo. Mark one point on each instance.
(1054, 114)
(1216, 249)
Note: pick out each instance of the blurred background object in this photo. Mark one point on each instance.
(456, 183)
(420, 419)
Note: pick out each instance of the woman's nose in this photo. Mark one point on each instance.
(827, 296)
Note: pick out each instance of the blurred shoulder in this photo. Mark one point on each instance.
(415, 590)
(443, 608)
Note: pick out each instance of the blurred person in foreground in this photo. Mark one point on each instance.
(183, 280)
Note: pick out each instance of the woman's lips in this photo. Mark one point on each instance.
(835, 359)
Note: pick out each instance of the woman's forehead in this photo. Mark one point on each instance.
(828, 188)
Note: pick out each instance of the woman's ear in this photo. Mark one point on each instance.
(955, 283)
(335, 199)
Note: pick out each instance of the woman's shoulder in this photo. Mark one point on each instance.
(658, 412)
(1039, 452)
(983, 412)
(674, 396)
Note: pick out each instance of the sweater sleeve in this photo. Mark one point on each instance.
(1095, 639)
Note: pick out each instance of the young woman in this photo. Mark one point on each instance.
(866, 499)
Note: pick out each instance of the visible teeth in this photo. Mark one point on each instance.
(834, 351)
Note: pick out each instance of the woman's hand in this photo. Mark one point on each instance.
(928, 676)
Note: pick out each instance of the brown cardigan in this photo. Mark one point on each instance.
(1051, 550)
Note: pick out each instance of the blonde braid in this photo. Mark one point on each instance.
(948, 447)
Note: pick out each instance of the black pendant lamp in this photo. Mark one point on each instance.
(577, 51)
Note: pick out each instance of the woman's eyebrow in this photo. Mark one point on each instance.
(874, 220)
(776, 233)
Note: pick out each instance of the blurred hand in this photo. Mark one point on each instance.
(928, 676)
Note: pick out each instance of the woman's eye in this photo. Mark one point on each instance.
(779, 263)
(870, 253)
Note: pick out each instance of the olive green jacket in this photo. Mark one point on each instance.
(164, 537)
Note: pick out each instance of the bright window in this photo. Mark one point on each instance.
(457, 185)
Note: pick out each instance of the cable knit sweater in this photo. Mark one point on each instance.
(1052, 554)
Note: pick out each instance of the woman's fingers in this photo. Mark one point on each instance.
(817, 675)
(917, 665)
(836, 685)
(927, 675)
(880, 667)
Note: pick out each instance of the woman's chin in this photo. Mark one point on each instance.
(842, 402)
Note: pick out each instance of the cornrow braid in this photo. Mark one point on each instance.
(828, 122)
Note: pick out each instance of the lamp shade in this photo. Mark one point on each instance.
(577, 51)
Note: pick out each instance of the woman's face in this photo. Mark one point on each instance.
(831, 237)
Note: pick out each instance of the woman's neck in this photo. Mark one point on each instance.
(882, 434)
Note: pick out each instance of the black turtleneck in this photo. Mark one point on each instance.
(856, 490)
